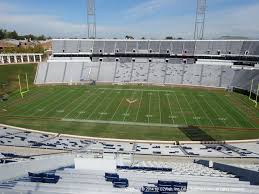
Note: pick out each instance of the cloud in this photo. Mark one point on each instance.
(238, 20)
(232, 21)
(148, 7)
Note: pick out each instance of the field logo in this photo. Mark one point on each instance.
(131, 101)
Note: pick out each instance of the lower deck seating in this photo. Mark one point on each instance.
(156, 71)
(193, 180)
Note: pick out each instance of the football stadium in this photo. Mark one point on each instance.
(92, 115)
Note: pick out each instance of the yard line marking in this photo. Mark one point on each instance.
(118, 107)
(149, 106)
(124, 123)
(205, 100)
(90, 104)
(139, 105)
(69, 104)
(111, 102)
(96, 108)
(79, 104)
(171, 113)
(191, 109)
(23, 106)
(59, 104)
(124, 94)
(159, 104)
(44, 102)
(197, 102)
(237, 111)
(56, 101)
(232, 118)
(17, 99)
(138, 90)
(181, 109)
(103, 113)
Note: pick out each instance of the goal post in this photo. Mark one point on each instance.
(27, 89)
(251, 90)
(255, 100)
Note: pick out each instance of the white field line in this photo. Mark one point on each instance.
(218, 116)
(79, 104)
(124, 123)
(26, 105)
(197, 120)
(99, 104)
(55, 107)
(57, 94)
(238, 112)
(18, 98)
(138, 90)
(181, 109)
(90, 104)
(72, 102)
(139, 105)
(149, 107)
(170, 107)
(159, 106)
(197, 102)
(118, 106)
(245, 103)
(229, 115)
(109, 105)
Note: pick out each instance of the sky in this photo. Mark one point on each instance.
(139, 18)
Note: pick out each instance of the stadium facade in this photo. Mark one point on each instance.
(209, 63)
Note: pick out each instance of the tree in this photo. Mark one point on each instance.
(2, 34)
(13, 35)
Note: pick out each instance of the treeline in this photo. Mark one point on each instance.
(34, 49)
(4, 34)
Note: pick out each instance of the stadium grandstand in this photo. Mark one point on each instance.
(115, 116)
(221, 64)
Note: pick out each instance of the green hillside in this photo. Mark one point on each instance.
(9, 76)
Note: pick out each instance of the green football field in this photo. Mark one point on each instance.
(138, 112)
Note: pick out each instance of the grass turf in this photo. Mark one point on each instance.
(131, 112)
(9, 73)
(134, 112)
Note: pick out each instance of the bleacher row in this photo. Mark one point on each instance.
(142, 71)
(188, 177)
(178, 47)
(14, 137)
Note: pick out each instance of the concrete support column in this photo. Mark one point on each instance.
(15, 58)
(40, 58)
(34, 59)
(2, 59)
(28, 58)
(8, 59)
(22, 58)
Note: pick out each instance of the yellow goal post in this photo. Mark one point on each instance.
(27, 89)
(256, 94)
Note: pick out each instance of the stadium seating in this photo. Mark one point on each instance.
(14, 137)
(142, 70)
(125, 69)
(186, 177)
